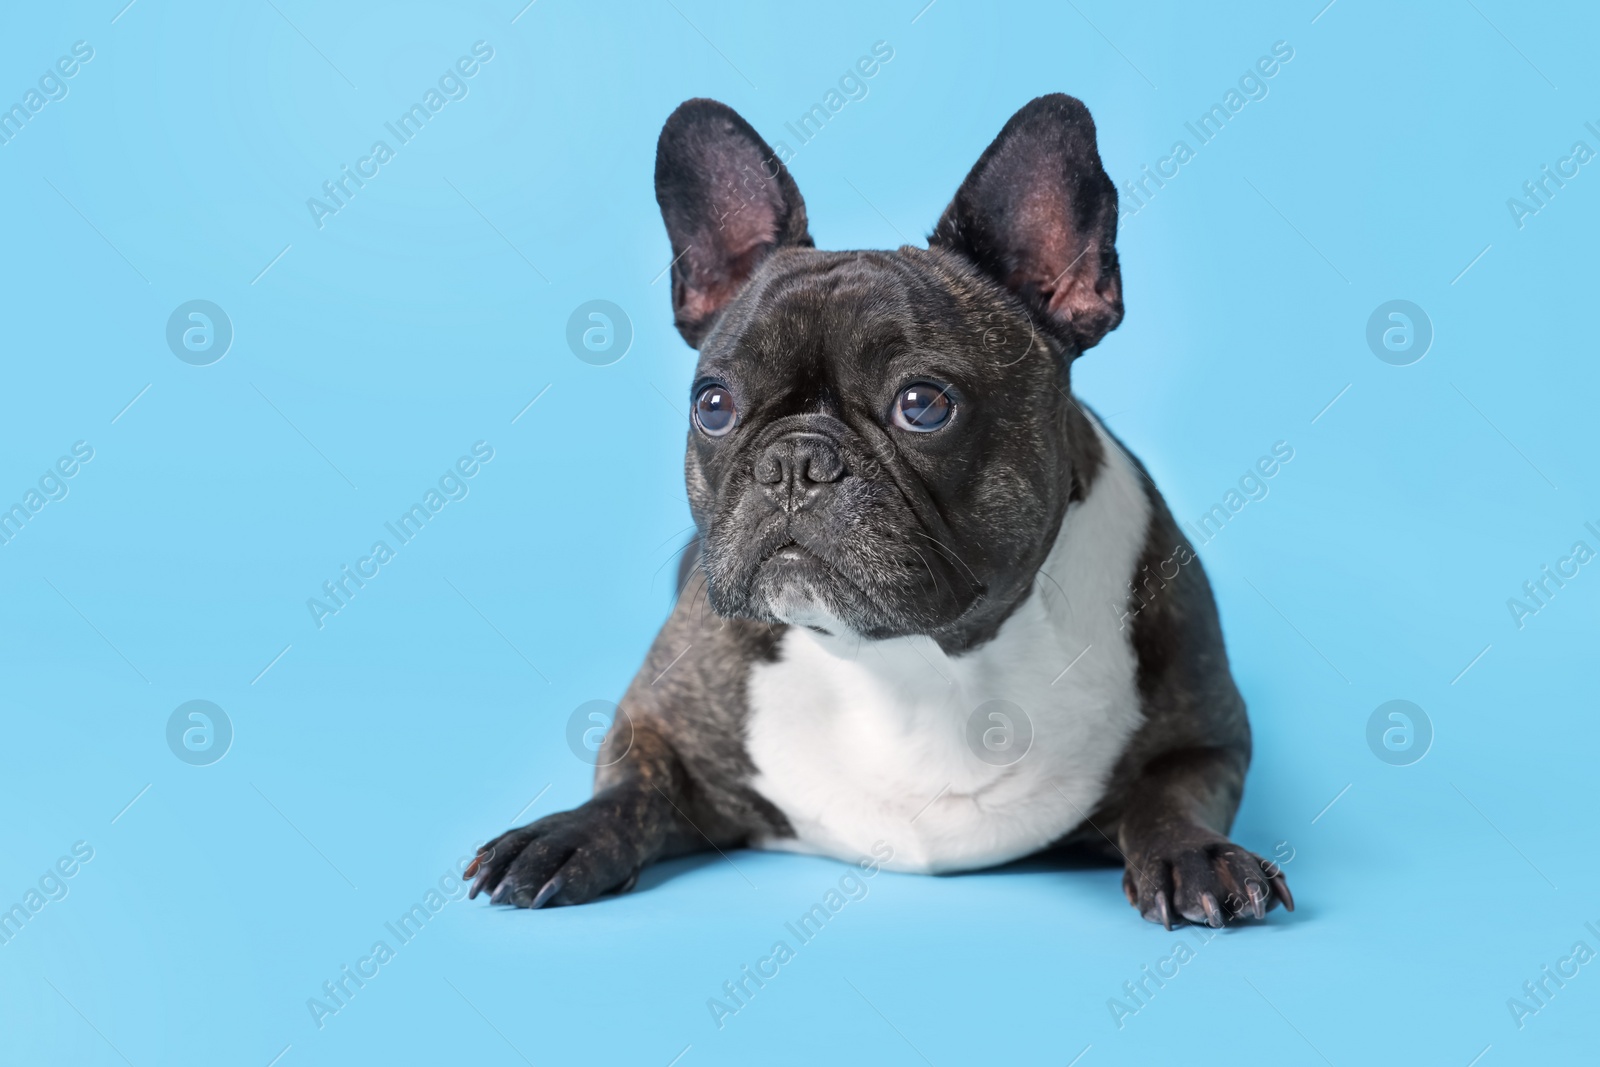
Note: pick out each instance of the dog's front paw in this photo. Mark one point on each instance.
(567, 858)
(1202, 877)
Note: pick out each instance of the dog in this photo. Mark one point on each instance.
(952, 622)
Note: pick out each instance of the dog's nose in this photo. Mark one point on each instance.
(795, 468)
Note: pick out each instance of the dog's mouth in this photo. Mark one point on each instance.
(786, 551)
(835, 573)
(789, 562)
(800, 587)
(789, 571)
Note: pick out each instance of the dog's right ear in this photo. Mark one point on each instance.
(728, 201)
(1039, 215)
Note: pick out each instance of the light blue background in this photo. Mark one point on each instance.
(425, 715)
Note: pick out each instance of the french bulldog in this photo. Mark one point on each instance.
(932, 602)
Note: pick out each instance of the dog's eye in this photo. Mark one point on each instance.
(714, 412)
(922, 408)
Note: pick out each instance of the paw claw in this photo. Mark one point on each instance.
(1213, 911)
(1280, 885)
(1258, 900)
(1161, 906)
(550, 889)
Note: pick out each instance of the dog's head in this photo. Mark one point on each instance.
(883, 443)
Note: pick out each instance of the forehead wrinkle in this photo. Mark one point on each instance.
(866, 307)
(822, 316)
(753, 309)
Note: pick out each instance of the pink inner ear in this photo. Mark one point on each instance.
(723, 256)
(1071, 287)
(1054, 262)
(698, 304)
(1039, 227)
(745, 223)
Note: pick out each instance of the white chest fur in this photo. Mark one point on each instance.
(864, 742)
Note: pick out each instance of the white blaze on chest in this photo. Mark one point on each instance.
(864, 742)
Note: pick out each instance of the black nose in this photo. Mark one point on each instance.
(796, 468)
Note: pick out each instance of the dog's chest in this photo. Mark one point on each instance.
(968, 761)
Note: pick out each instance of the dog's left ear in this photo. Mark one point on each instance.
(728, 201)
(1039, 215)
